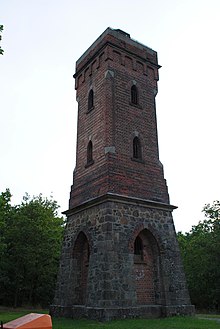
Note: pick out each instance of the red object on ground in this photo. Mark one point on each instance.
(30, 321)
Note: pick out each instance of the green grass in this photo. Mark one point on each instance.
(166, 323)
(215, 316)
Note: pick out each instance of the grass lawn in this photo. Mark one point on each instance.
(165, 323)
(201, 315)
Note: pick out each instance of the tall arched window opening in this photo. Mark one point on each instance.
(134, 95)
(137, 148)
(89, 153)
(138, 247)
(91, 100)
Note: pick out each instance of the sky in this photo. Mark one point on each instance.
(42, 40)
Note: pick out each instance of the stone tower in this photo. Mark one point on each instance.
(120, 257)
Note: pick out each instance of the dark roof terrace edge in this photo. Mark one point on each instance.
(124, 36)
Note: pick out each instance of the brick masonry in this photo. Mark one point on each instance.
(117, 198)
(110, 68)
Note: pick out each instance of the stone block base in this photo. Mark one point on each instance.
(107, 314)
(178, 310)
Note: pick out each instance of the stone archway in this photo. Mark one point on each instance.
(81, 254)
(146, 269)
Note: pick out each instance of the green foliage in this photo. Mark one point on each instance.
(200, 249)
(1, 29)
(5, 207)
(32, 234)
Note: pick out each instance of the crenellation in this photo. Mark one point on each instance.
(117, 57)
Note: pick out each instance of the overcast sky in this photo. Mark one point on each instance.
(43, 39)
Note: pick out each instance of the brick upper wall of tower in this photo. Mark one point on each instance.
(110, 67)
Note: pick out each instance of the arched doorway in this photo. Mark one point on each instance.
(81, 253)
(146, 269)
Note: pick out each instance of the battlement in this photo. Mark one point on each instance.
(120, 40)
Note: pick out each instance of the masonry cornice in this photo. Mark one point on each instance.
(121, 199)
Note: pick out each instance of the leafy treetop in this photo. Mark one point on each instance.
(200, 249)
(1, 29)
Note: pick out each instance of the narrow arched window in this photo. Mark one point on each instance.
(136, 148)
(134, 95)
(91, 100)
(138, 246)
(89, 153)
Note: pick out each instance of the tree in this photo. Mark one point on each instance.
(32, 235)
(1, 29)
(5, 207)
(200, 249)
